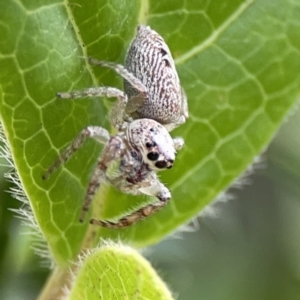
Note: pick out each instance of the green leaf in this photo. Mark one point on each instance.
(238, 62)
(117, 272)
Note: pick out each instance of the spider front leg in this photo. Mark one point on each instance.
(93, 186)
(132, 218)
(98, 133)
(153, 188)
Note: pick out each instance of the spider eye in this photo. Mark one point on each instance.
(153, 155)
(150, 145)
(161, 164)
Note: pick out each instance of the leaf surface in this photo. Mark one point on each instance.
(238, 62)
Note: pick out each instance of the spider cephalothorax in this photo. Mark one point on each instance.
(154, 143)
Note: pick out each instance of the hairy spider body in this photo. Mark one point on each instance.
(152, 104)
(129, 161)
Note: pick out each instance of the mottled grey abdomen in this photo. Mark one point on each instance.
(149, 59)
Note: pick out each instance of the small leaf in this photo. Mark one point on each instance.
(117, 272)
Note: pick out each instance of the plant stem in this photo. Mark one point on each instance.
(53, 288)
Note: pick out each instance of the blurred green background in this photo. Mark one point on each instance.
(243, 248)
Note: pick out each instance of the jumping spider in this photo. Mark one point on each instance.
(152, 104)
(151, 84)
(129, 161)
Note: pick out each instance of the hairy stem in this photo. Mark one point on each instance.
(54, 287)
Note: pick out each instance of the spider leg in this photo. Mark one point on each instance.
(138, 100)
(122, 71)
(153, 188)
(109, 92)
(98, 133)
(93, 186)
(132, 218)
(178, 143)
(118, 114)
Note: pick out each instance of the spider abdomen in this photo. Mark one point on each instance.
(149, 60)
